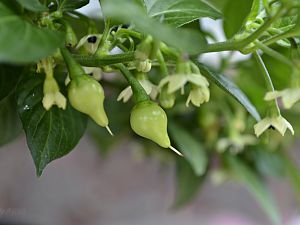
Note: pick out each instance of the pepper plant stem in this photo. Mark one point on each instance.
(98, 61)
(139, 93)
(268, 81)
(73, 67)
(232, 45)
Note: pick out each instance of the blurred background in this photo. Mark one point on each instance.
(124, 188)
(84, 188)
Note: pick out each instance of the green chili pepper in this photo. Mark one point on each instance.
(150, 121)
(85, 93)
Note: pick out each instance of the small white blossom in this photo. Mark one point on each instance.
(198, 96)
(89, 43)
(95, 71)
(178, 81)
(289, 96)
(52, 95)
(279, 123)
(149, 88)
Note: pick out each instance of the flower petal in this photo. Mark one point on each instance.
(125, 94)
(48, 101)
(273, 95)
(197, 79)
(60, 100)
(262, 126)
(290, 98)
(176, 82)
(147, 85)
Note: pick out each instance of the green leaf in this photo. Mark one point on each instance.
(187, 184)
(227, 85)
(246, 176)
(235, 14)
(10, 125)
(180, 12)
(192, 150)
(187, 41)
(33, 5)
(70, 5)
(50, 134)
(9, 77)
(21, 42)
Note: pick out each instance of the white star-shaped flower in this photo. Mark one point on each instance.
(198, 96)
(289, 96)
(278, 122)
(149, 88)
(178, 81)
(89, 43)
(52, 95)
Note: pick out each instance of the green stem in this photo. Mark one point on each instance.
(104, 37)
(232, 45)
(74, 68)
(98, 61)
(162, 64)
(273, 53)
(268, 81)
(139, 93)
(130, 33)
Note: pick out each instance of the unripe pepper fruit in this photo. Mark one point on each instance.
(149, 120)
(87, 96)
(85, 93)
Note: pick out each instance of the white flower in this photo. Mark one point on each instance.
(149, 88)
(198, 96)
(177, 81)
(279, 123)
(289, 96)
(52, 95)
(89, 43)
(95, 71)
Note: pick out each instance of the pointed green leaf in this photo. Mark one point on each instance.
(50, 134)
(21, 42)
(235, 13)
(181, 12)
(70, 5)
(192, 150)
(246, 176)
(33, 5)
(227, 85)
(187, 183)
(187, 41)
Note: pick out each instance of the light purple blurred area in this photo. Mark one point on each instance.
(85, 189)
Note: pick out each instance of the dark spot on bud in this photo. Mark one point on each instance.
(92, 39)
(272, 128)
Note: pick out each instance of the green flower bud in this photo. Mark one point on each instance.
(167, 100)
(149, 120)
(144, 49)
(87, 96)
(71, 39)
